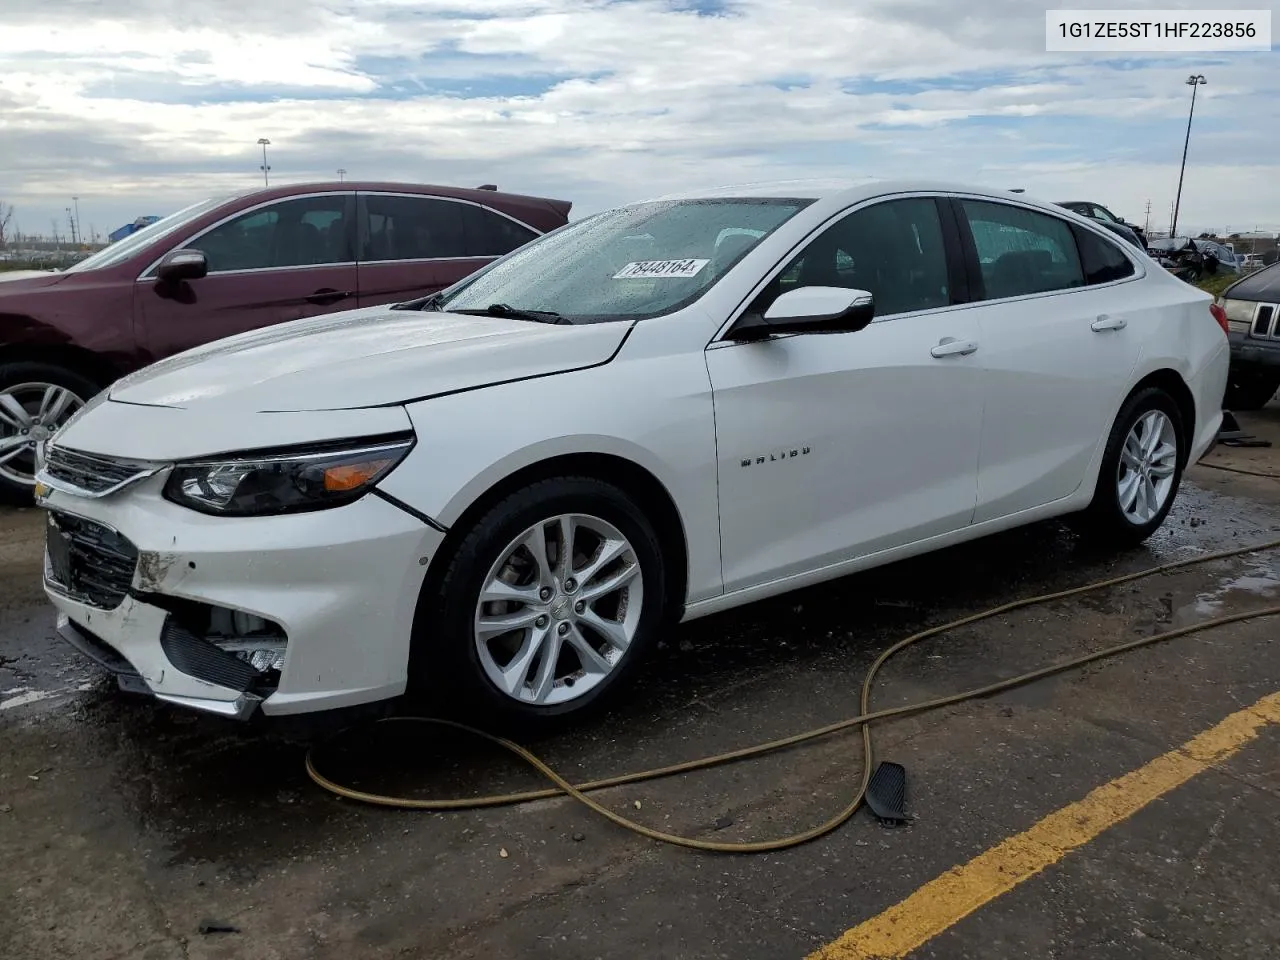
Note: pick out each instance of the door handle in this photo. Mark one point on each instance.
(1104, 323)
(951, 347)
(327, 295)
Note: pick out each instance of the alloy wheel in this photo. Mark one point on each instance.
(1148, 464)
(30, 413)
(559, 609)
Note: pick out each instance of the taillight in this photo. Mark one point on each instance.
(1220, 315)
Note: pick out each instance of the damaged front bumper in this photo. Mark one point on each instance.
(130, 681)
(235, 616)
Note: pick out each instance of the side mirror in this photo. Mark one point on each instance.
(183, 264)
(812, 310)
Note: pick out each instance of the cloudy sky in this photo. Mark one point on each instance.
(144, 106)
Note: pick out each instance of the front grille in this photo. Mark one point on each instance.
(94, 563)
(1262, 321)
(91, 472)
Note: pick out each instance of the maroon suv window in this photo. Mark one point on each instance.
(429, 228)
(413, 228)
(490, 234)
(299, 232)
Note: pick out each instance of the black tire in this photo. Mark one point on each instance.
(1104, 519)
(1251, 391)
(20, 372)
(445, 665)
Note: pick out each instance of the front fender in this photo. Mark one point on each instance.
(469, 442)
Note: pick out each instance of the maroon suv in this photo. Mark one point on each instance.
(228, 265)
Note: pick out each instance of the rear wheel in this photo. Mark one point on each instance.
(35, 400)
(1252, 390)
(1141, 470)
(547, 606)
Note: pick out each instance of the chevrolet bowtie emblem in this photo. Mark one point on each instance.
(42, 490)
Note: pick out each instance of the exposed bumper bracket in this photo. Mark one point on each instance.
(241, 708)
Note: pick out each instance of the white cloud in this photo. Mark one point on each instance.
(141, 109)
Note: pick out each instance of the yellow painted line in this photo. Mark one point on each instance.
(949, 898)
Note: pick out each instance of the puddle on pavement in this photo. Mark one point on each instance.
(215, 791)
(1262, 579)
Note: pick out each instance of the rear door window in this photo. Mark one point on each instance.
(413, 228)
(1020, 251)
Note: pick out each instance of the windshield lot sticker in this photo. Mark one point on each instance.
(645, 269)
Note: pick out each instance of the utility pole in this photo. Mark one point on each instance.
(1146, 224)
(342, 174)
(1193, 81)
(75, 202)
(71, 225)
(264, 143)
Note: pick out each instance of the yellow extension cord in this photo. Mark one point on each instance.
(580, 791)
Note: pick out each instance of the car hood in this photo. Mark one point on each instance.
(366, 358)
(1263, 285)
(17, 280)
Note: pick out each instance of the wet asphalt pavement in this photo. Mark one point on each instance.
(125, 824)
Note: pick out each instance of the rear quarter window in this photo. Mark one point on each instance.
(1101, 260)
(491, 234)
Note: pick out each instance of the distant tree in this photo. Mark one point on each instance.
(1207, 235)
(6, 215)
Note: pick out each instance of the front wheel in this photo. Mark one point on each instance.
(1141, 470)
(35, 400)
(547, 606)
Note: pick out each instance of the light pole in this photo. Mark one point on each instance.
(342, 174)
(75, 202)
(1193, 81)
(263, 142)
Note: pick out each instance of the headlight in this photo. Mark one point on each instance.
(293, 482)
(1239, 314)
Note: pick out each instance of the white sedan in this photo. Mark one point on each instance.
(504, 494)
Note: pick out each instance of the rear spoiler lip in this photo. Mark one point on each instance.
(561, 207)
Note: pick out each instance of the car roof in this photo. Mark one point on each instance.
(386, 186)
(850, 190)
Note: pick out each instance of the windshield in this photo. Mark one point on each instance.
(122, 250)
(636, 261)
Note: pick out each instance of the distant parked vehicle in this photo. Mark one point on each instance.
(131, 228)
(1194, 258)
(1252, 305)
(1100, 214)
(228, 265)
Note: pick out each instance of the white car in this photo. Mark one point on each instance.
(505, 493)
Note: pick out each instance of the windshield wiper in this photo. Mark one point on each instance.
(515, 313)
